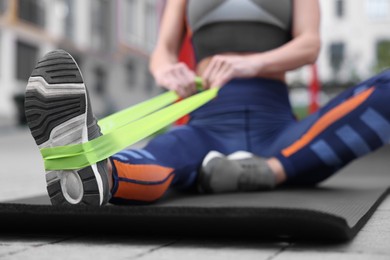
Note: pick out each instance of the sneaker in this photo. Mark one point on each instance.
(59, 113)
(240, 171)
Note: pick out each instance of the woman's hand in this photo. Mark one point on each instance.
(177, 77)
(223, 68)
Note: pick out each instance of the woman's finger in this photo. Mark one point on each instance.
(224, 73)
(223, 78)
(190, 76)
(185, 79)
(182, 83)
(172, 83)
(213, 66)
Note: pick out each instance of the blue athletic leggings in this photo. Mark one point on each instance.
(255, 115)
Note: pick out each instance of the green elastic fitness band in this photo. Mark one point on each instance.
(124, 129)
(119, 119)
(136, 112)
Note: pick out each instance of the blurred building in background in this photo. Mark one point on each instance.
(111, 41)
(355, 38)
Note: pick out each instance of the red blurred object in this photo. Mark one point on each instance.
(314, 90)
(187, 56)
(187, 53)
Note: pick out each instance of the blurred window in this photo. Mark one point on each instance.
(340, 8)
(69, 19)
(3, 6)
(337, 53)
(26, 58)
(151, 24)
(32, 11)
(131, 74)
(101, 24)
(129, 21)
(378, 9)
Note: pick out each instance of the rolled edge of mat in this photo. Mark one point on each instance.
(258, 222)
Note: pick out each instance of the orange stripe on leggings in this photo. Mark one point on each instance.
(329, 118)
(142, 192)
(142, 172)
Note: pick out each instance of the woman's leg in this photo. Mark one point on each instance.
(351, 125)
(170, 160)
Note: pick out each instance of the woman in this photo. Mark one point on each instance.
(251, 39)
(247, 139)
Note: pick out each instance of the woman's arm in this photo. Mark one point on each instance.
(301, 50)
(164, 64)
(305, 46)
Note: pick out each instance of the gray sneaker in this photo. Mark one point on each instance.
(58, 113)
(241, 171)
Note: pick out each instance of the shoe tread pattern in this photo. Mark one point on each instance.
(44, 113)
(91, 191)
(58, 67)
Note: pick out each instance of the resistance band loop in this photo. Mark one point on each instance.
(119, 119)
(133, 113)
(120, 134)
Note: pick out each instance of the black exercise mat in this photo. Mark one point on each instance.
(335, 210)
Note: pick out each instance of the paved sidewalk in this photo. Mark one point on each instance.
(22, 176)
(7, 125)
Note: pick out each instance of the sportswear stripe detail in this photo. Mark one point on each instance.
(327, 119)
(120, 157)
(142, 182)
(359, 89)
(353, 140)
(131, 154)
(325, 153)
(146, 154)
(378, 124)
(142, 192)
(142, 172)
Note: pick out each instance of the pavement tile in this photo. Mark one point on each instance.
(90, 248)
(379, 222)
(209, 249)
(310, 255)
(22, 172)
(385, 205)
(367, 242)
(370, 241)
(373, 240)
(12, 244)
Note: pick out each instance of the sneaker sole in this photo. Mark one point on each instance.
(56, 107)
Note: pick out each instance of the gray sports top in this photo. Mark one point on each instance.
(220, 26)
